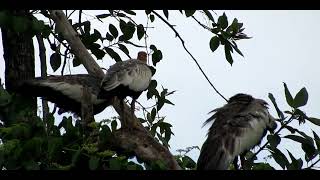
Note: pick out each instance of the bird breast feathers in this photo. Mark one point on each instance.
(136, 76)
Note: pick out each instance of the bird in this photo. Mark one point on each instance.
(238, 126)
(65, 91)
(127, 78)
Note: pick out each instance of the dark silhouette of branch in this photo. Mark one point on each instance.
(43, 66)
(185, 48)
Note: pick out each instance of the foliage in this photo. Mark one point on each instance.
(27, 142)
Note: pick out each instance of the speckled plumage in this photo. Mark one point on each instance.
(238, 126)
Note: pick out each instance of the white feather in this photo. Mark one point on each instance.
(73, 91)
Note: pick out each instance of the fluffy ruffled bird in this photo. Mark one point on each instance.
(127, 78)
(238, 126)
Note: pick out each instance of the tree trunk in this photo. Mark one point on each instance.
(19, 58)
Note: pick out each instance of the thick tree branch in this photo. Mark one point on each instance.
(77, 47)
(135, 138)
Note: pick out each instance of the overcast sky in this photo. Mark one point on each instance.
(284, 48)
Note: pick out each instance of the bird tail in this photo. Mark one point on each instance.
(214, 156)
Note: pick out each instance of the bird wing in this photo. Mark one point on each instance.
(129, 73)
(65, 91)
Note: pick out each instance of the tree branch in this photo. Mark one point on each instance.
(185, 48)
(43, 66)
(136, 138)
(77, 47)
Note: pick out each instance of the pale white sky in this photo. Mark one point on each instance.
(283, 49)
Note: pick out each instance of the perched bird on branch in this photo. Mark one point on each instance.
(238, 126)
(127, 78)
(66, 91)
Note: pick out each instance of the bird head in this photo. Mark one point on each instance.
(142, 56)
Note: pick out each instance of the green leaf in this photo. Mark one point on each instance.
(301, 98)
(153, 47)
(307, 145)
(209, 15)
(129, 12)
(280, 158)
(105, 133)
(113, 30)
(55, 61)
(101, 16)
(315, 121)
(76, 62)
(235, 47)
(262, 166)
(214, 43)
(75, 157)
(295, 164)
(288, 95)
(31, 165)
(86, 27)
(227, 51)
(152, 89)
(151, 17)
(153, 113)
(113, 54)
(168, 102)
(94, 163)
(109, 37)
(160, 103)
(114, 125)
(298, 139)
(115, 164)
(223, 21)
(97, 52)
(274, 140)
(273, 100)
(123, 49)
(188, 162)
(166, 13)
(156, 57)
(96, 35)
(140, 31)
(310, 151)
(127, 29)
(189, 12)
(317, 140)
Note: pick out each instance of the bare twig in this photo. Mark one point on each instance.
(64, 61)
(313, 164)
(185, 48)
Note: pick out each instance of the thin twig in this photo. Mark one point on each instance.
(204, 26)
(64, 61)
(312, 165)
(194, 59)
